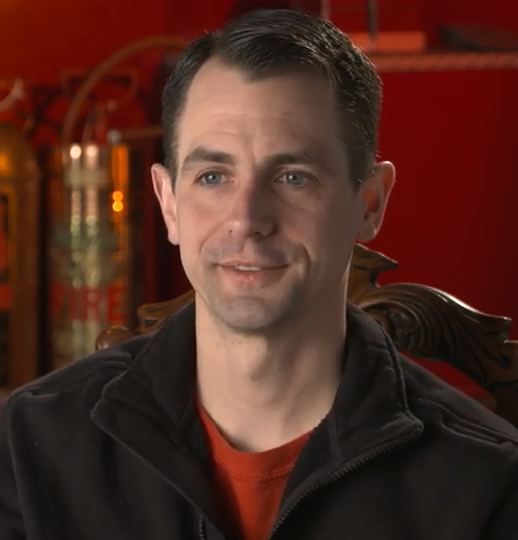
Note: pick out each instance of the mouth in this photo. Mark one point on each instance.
(248, 268)
(240, 267)
(253, 273)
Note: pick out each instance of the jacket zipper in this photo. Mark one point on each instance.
(201, 529)
(333, 478)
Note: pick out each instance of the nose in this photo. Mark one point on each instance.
(251, 212)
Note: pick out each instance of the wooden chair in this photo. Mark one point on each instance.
(424, 322)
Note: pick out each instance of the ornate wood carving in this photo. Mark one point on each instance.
(430, 324)
(424, 322)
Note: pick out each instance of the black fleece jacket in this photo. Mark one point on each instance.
(111, 448)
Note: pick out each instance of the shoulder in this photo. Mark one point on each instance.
(443, 407)
(80, 384)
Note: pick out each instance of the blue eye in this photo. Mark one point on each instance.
(210, 178)
(295, 179)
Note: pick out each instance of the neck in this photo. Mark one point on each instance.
(263, 391)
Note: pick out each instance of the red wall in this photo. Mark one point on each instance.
(452, 219)
(502, 13)
(41, 37)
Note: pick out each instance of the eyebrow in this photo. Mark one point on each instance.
(202, 154)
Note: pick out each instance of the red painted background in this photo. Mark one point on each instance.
(452, 221)
(38, 38)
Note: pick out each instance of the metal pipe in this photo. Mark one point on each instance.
(372, 22)
(104, 67)
(134, 134)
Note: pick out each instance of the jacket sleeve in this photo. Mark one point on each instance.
(504, 522)
(11, 523)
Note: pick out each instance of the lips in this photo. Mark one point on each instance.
(248, 274)
(245, 268)
(251, 267)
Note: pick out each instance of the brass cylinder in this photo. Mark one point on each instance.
(88, 247)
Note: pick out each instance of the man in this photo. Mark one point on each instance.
(268, 410)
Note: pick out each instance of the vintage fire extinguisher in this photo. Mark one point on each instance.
(89, 253)
(19, 246)
(94, 240)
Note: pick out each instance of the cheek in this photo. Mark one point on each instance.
(195, 222)
(332, 233)
(188, 243)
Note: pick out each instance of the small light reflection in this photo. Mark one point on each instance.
(75, 152)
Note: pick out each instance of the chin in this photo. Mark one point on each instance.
(250, 315)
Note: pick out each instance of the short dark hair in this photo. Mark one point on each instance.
(269, 42)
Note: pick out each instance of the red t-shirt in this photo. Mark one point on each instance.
(249, 485)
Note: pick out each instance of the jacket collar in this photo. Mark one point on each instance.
(371, 403)
(371, 399)
(150, 409)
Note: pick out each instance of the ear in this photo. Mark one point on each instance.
(373, 196)
(164, 192)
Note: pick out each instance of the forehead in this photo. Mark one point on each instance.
(225, 108)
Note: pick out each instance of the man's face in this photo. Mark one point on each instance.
(263, 209)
